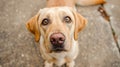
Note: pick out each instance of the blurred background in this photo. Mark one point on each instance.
(99, 42)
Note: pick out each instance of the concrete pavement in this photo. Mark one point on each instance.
(96, 42)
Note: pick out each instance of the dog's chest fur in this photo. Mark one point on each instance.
(59, 58)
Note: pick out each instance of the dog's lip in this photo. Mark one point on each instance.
(58, 50)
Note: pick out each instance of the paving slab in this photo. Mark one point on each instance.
(18, 48)
(97, 46)
(113, 9)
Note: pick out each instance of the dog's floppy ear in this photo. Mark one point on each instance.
(32, 26)
(80, 23)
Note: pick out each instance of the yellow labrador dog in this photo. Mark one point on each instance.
(56, 28)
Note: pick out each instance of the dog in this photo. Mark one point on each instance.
(56, 28)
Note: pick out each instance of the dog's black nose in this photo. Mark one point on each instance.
(57, 40)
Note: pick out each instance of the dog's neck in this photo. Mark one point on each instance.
(60, 3)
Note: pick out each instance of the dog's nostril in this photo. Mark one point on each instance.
(53, 40)
(60, 39)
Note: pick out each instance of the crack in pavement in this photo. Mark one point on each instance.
(104, 14)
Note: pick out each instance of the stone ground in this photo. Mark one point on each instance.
(99, 42)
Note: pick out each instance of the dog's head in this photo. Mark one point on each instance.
(56, 28)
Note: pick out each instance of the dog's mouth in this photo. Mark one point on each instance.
(58, 48)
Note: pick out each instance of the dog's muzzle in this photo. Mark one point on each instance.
(57, 40)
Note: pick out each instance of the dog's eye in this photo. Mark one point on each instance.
(45, 21)
(67, 19)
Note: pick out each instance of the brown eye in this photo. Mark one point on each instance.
(67, 19)
(45, 21)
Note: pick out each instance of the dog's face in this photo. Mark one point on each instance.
(56, 28)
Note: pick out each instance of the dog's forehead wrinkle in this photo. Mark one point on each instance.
(55, 10)
(44, 12)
